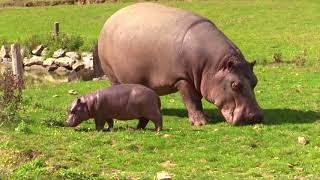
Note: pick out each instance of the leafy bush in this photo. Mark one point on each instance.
(10, 96)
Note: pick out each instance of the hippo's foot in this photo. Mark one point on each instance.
(198, 119)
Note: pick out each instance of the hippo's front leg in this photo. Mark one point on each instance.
(99, 123)
(192, 101)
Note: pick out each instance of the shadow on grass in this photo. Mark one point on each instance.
(271, 116)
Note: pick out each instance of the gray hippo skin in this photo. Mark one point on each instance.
(170, 50)
(123, 102)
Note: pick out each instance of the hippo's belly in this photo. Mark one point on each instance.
(142, 44)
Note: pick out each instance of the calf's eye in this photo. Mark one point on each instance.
(236, 86)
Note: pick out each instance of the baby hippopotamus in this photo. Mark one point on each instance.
(123, 102)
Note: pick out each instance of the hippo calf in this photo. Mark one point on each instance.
(123, 102)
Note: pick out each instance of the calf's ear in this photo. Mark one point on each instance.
(253, 63)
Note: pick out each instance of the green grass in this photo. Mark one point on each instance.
(259, 28)
(289, 95)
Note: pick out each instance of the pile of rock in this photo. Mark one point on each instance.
(77, 67)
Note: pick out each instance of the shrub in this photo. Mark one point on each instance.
(10, 96)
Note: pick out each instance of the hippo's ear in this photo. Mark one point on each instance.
(253, 63)
(74, 105)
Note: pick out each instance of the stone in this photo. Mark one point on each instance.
(81, 75)
(36, 69)
(73, 55)
(78, 66)
(163, 176)
(23, 52)
(4, 52)
(38, 50)
(6, 60)
(61, 71)
(72, 92)
(168, 164)
(49, 62)
(65, 62)
(88, 62)
(59, 53)
(85, 54)
(302, 140)
(44, 52)
(34, 60)
(52, 68)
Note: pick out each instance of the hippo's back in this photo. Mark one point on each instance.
(142, 43)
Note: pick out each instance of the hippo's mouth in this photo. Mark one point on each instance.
(228, 114)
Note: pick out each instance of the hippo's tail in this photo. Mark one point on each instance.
(97, 70)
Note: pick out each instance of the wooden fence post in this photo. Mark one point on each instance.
(56, 29)
(17, 66)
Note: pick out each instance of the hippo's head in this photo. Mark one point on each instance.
(231, 89)
(77, 113)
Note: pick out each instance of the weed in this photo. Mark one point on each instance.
(301, 59)
(55, 120)
(23, 127)
(277, 57)
(35, 168)
(10, 96)
(72, 174)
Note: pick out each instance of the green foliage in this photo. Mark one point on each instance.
(23, 127)
(72, 174)
(36, 168)
(55, 120)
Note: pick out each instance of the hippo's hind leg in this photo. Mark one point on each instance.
(192, 101)
(142, 123)
(156, 118)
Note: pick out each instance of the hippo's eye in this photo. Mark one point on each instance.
(236, 86)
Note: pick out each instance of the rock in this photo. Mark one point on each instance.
(48, 62)
(72, 92)
(168, 164)
(61, 71)
(34, 60)
(37, 69)
(38, 50)
(85, 54)
(163, 176)
(88, 62)
(52, 67)
(302, 140)
(4, 52)
(65, 62)
(23, 52)
(73, 55)
(83, 75)
(6, 60)
(44, 52)
(78, 66)
(59, 53)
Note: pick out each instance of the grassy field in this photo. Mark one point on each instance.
(259, 28)
(289, 94)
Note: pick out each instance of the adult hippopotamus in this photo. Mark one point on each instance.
(169, 50)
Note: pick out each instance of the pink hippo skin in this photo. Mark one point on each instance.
(123, 102)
